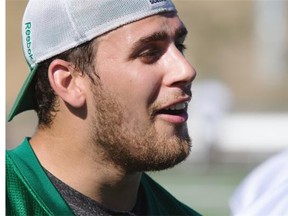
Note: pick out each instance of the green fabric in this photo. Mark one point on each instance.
(25, 99)
(28, 189)
(30, 192)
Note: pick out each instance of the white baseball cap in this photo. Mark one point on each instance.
(50, 27)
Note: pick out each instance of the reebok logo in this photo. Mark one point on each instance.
(28, 26)
(156, 1)
(155, 4)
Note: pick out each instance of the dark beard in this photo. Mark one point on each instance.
(131, 148)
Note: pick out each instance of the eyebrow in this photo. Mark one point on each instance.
(181, 32)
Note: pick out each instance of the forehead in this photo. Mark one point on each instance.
(166, 22)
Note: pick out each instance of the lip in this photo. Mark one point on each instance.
(179, 117)
(181, 100)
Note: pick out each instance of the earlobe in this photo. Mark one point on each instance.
(67, 83)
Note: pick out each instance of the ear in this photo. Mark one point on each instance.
(67, 82)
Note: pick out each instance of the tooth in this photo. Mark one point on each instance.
(180, 106)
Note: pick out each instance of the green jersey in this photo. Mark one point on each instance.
(29, 190)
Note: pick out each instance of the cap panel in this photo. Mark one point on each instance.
(50, 30)
(94, 19)
(52, 27)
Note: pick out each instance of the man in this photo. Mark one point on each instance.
(110, 86)
(265, 190)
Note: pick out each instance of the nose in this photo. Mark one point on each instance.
(179, 72)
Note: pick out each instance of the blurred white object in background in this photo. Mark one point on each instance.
(271, 23)
(265, 190)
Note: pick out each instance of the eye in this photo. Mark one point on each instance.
(151, 55)
(181, 47)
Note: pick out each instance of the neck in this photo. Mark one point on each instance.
(71, 160)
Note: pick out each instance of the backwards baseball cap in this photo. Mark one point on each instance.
(50, 27)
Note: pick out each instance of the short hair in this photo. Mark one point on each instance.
(82, 57)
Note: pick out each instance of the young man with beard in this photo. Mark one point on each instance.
(110, 86)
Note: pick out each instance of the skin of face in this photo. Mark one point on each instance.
(142, 71)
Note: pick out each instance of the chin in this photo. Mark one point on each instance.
(167, 155)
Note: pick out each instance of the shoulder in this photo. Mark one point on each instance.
(28, 189)
(19, 198)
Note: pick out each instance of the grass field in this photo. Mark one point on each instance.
(207, 189)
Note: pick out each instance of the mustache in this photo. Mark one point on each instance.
(187, 91)
(155, 107)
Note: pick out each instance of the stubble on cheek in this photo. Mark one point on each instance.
(129, 144)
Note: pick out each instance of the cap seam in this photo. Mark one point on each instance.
(71, 19)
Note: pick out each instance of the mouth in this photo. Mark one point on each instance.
(174, 109)
(176, 113)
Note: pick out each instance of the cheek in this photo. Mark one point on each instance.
(133, 85)
(149, 88)
(141, 88)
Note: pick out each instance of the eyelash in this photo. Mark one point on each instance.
(153, 54)
(181, 47)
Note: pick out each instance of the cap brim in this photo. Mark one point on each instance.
(26, 97)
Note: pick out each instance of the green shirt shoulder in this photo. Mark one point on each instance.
(29, 190)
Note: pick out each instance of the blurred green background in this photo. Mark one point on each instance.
(239, 111)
